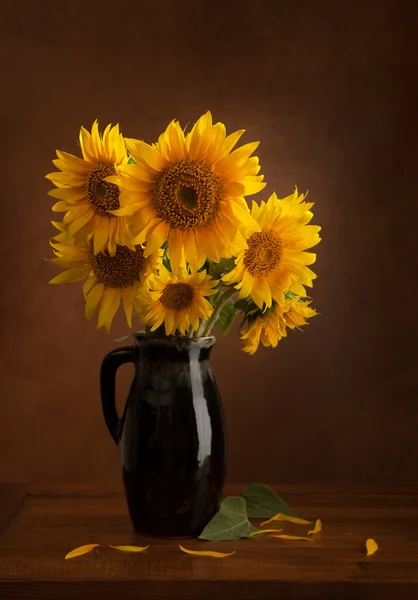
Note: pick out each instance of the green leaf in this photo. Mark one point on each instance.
(131, 160)
(207, 265)
(223, 266)
(226, 317)
(263, 502)
(241, 305)
(166, 263)
(230, 523)
(290, 296)
(124, 338)
(216, 297)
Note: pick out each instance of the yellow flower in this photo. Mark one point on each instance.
(271, 326)
(189, 190)
(178, 300)
(110, 280)
(275, 260)
(85, 196)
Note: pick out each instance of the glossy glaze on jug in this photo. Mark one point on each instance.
(171, 437)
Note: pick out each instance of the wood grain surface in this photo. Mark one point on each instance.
(52, 521)
(11, 496)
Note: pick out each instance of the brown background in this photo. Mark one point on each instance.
(330, 89)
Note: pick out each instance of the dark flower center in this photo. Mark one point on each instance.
(177, 296)
(118, 271)
(187, 194)
(263, 253)
(103, 196)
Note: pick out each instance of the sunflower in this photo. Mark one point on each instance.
(178, 300)
(189, 190)
(275, 260)
(271, 326)
(85, 196)
(109, 279)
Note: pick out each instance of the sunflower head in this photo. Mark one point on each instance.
(276, 259)
(188, 190)
(85, 196)
(109, 280)
(176, 300)
(270, 325)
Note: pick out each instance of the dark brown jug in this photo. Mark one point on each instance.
(171, 436)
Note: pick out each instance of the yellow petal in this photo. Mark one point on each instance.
(101, 235)
(235, 188)
(230, 141)
(138, 171)
(86, 146)
(74, 274)
(66, 178)
(176, 141)
(108, 307)
(93, 299)
(238, 156)
(79, 223)
(148, 154)
(242, 212)
(73, 162)
(145, 232)
(170, 322)
(298, 289)
(263, 531)
(130, 548)
(60, 206)
(69, 194)
(371, 546)
(128, 209)
(283, 517)
(207, 553)
(114, 233)
(76, 211)
(191, 255)
(88, 285)
(80, 550)
(157, 238)
(253, 187)
(95, 138)
(317, 528)
(175, 249)
(291, 537)
(128, 303)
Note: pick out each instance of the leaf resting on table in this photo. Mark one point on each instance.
(289, 518)
(130, 548)
(230, 523)
(264, 531)
(317, 528)
(263, 502)
(291, 537)
(207, 553)
(81, 550)
(371, 546)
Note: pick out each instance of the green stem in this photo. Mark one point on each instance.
(201, 329)
(212, 321)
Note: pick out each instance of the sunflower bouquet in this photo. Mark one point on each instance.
(164, 230)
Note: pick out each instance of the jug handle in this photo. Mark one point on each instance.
(111, 362)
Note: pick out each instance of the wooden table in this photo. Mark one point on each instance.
(42, 525)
